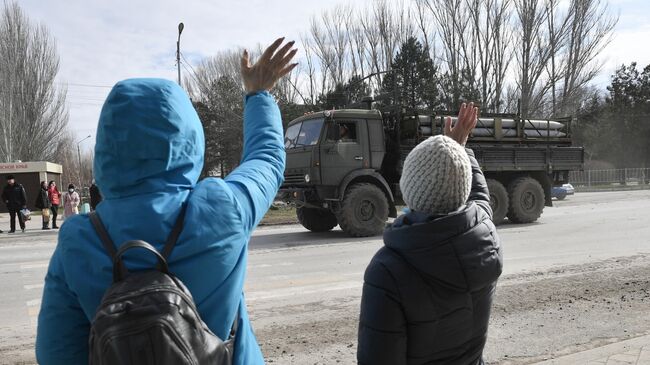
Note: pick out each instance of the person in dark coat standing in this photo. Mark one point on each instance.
(427, 293)
(43, 203)
(95, 195)
(15, 198)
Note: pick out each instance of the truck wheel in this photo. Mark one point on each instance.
(363, 211)
(498, 200)
(316, 220)
(526, 200)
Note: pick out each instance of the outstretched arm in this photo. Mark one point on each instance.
(479, 193)
(467, 118)
(256, 181)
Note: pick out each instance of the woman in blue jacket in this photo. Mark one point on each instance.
(148, 158)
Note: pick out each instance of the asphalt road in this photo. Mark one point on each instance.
(303, 289)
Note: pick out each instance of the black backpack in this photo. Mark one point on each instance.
(149, 317)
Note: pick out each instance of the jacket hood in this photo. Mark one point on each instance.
(460, 250)
(149, 139)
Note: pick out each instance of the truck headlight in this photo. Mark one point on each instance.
(307, 178)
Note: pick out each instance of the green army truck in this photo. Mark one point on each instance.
(343, 166)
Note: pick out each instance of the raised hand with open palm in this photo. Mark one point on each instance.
(272, 65)
(467, 118)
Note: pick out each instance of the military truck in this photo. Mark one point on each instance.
(343, 166)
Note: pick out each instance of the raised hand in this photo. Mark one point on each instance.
(467, 118)
(269, 68)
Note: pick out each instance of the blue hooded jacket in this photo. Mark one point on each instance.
(148, 158)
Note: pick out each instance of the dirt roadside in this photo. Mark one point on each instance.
(535, 316)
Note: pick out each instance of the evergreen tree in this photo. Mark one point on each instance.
(628, 107)
(345, 94)
(413, 81)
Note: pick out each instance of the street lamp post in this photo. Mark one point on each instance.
(80, 167)
(178, 51)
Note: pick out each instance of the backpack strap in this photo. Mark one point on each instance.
(107, 242)
(176, 232)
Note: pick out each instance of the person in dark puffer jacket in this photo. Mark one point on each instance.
(427, 293)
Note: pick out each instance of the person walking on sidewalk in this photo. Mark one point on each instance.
(43, 203)
(55, 200)
(71, 202)
(149, 155)
(15, 198)
(427, 293)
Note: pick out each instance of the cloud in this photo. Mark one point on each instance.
(102, 42)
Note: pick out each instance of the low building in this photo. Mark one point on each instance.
(30, 175)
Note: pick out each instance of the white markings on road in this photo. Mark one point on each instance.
(33, 286)
(34, 265)
(301, 290)
(263, 266)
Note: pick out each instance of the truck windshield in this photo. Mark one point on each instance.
(303, 134)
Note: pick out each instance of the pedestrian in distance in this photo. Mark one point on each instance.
(15, 199)
(95, 195)
(427, 293)
(43, 203)
(55, 200)
(149, 155)
(71, 202)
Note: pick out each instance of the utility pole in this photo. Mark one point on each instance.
(178, 52)
(81, 178)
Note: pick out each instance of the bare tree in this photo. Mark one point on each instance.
(589, 32)
(557, 25)
(32, 109)
(308, 68)
(217, 90)
(533, 54)
(451, 19)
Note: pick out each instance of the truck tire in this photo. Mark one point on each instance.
(498, 200)
(363, 211)
(526, 200)
(316, 220)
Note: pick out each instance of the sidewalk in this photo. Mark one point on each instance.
(34, 224)
(635, 351)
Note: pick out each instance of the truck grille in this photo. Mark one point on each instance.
(294, 178)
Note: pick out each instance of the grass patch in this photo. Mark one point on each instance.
(280, 215)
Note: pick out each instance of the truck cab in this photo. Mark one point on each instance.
(328, 153)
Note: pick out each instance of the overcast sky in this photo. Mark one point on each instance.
(102, 42)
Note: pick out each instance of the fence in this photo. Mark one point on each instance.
(635, 176)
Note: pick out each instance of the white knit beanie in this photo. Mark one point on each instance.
(437, 176)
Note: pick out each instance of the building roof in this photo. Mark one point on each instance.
(34, 166)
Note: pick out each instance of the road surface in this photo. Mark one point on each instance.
(578, 278)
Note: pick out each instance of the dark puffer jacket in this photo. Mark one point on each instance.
(14, 196)
(427, 294)
(42, 200)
